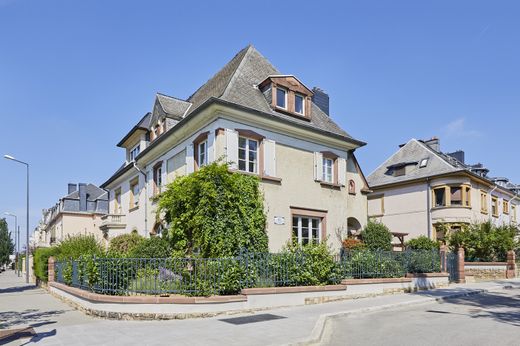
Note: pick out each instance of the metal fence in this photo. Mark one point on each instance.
(216, 276)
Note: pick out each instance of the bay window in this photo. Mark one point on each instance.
(439, 195)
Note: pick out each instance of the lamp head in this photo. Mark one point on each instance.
(9, 157)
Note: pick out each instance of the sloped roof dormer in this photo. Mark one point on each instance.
(297, 97)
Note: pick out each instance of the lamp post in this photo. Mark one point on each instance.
(9, 157)
(16, 239)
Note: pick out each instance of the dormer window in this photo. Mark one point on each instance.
(299, 104)
(281, 98)
(134, 152)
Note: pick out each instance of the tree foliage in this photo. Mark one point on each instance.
(6, 244)
(215, 213)
(155, 247)
(485, 241)
(124, 244)
(80, 245)
(422, 243)
(376, 236)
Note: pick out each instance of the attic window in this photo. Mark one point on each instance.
(281, 98)
(423, 163)
(299, 104)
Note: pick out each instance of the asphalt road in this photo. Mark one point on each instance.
(491, 318)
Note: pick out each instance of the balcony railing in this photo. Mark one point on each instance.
(113, 221)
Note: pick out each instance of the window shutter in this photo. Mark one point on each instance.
(232, 148)
(318, 166)
(211, 146)
(269, 157)
(190, 164)
(342, 171)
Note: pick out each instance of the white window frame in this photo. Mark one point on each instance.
(135, 196)
(303, 104)
(328, 178)
(285, 91)
(247, 159)
(299, 228)
(134, 152)
(202, 153)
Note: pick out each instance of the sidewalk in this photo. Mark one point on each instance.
(55, 323)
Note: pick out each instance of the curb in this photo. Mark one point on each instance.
(319, 328)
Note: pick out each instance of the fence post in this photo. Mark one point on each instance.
(461, 274)
(511, 265)
(443, 252)
(50, 270)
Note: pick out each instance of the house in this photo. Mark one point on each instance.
(419, 188)
(79, 212)
(261, 122)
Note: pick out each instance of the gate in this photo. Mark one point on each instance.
(451, 266)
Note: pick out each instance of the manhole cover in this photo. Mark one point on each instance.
(252, 319)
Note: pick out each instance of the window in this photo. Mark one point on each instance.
(466, 196)
(513, 213)
(157, 178)
(134, 152)
(281, 98)
(439, 195)
(505, 206)
(299, 104)
(247, 155)
(483, 202)
(456, 195)
(307, 229)
(328, 165)
(399, 171)
(134, 193)
(202, 153)
(117, 201)
(423, 163)
(494, 206)
(351, 187)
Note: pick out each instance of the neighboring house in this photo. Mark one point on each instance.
(420, 187)
(79, 212)
(261, 122)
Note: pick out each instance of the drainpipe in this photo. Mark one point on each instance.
(428, 207)
(145, 200)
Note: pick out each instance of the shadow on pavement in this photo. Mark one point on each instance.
(40, 336)
(17, 289)
(31, 317)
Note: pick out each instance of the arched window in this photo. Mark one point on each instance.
(351, 187)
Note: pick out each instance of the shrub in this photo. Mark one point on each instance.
(155, 247)
(214, 213)
(422, 261)
(377, 236)
(352, 244)
(80, 245)
(124, 244)
(484, 241)
(372, 264)
(422, 243)
(41, 261)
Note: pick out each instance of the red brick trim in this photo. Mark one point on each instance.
(427, 275)
(295, 289)
(352, 282)
(173, 299)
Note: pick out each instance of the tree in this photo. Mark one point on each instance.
(6, 244)
(377, 236)
(214, 213)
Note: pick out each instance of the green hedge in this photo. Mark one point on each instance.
(41, 261)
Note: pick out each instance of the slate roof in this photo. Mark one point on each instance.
(93, 193)
(237, 83)
(171, 106)
(414, 151)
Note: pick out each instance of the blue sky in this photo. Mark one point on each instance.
(75, 76)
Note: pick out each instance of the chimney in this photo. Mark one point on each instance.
(71, 188)
(321, 99)
(459, 155)
(82, 197)
(434, 143)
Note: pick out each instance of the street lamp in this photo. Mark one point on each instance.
(9, 157)
(16, 239)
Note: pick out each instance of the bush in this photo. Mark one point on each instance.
(352, 244)
(422, 243)
(78, 246)
(422, 261)
(377, 236)
(214, 213)
(155, 247)
(484, 241)
(41, 261)
(372, 264)
(124, 244)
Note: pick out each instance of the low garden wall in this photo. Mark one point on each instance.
(484, 271)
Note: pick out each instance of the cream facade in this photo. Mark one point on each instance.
(431, 198)
(313, 186)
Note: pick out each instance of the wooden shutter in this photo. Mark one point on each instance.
(342, 171)
(232, 148)
(211, 147)
(190, 163)
(318, 166)
(269, 157)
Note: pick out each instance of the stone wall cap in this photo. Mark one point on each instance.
(292, 289)
(427, 275)
(350, 282)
